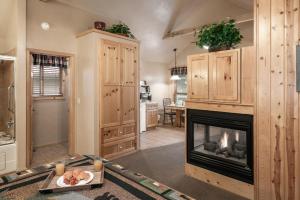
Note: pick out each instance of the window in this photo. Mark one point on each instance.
(47, 81)
(181, 90)
(47, 75)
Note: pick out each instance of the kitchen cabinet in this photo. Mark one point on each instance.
(198, 76)
(225, 75)
(215, 77)
(151, 115)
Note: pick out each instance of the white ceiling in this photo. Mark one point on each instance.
(149, 20)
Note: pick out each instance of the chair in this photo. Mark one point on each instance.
(168, 112)
(182, 119)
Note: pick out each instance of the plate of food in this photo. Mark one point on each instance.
(75, 177)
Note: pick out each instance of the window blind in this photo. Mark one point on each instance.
(36, 80)
(47, 80)
(51, 81)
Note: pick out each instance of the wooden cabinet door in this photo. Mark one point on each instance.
(151, 118)
(110, 106)
(154, 117)
(111, 63)
(128, 104)
(198, 68)
(128, 64)
(225, 75)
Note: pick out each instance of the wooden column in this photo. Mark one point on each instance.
(277, 137)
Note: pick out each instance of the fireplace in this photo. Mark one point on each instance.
(221, 142)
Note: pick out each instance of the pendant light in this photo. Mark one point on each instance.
(174, 70)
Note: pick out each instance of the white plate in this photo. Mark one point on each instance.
(60, 180)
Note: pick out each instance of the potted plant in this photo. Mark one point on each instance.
(121, 29)
(222, 36)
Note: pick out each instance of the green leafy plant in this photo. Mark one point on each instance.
(121, 29)
(221, 36)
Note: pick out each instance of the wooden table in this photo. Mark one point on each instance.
(179, 110)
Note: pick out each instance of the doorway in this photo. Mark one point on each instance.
(50, 106)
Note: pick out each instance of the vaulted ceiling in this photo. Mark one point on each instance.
(150, 20)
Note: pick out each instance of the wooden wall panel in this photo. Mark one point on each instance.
(277, 152)
(248, 75)
(292, 186)
(277, 97)
(263, 186)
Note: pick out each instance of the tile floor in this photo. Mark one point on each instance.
(161, 136)
(50, 153)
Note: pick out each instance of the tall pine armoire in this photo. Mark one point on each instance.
(107, 94)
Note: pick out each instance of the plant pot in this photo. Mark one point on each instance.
(218, 49)
(100, 25)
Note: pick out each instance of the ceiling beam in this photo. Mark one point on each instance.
(192, 30)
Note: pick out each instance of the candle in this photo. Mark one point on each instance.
(60, 169)
(98, 165)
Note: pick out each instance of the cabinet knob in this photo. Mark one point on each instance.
(193, 93)
(118, 109)
(196, 76)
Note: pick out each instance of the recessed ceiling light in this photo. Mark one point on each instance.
(45, 26)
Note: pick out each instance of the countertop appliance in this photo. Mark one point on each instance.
(145, 94)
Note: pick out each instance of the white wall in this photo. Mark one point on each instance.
(8, 25)
(157, 76)
(50, 122)
(65, 22)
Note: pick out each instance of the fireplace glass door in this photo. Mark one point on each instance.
(221, 142)
(225, 143)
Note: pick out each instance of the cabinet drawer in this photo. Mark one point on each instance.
(118, 133)
(110, 133)
(119, 147)
(128, 130)
(110, 149)
(128, 145)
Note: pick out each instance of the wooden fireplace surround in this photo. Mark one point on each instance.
(271, 97)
